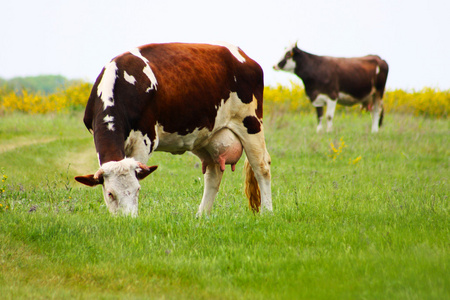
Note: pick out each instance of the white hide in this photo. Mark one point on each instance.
(147, 70)
(199, 138)
(232, 48)
(346, 99)
(290, 65)
(290, 62)
(109, 121)
(129, 78)
(376, 114)
(321, 101)
(319, 126)
(105, 89)
(138, 146)
(121, 186)
(331, 108)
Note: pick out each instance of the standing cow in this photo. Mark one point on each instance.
(347, 81)
(203, 98)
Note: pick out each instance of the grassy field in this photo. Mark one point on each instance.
(367, 220)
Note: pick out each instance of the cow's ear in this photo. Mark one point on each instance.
(90, 180)
(145, 171)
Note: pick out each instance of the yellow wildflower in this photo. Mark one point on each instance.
(354, 161)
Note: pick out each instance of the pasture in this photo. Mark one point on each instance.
(356, 216)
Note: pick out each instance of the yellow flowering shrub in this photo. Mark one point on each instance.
(72, 97)
(427, 102)
(288, 98)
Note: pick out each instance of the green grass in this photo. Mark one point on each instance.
(377, 229)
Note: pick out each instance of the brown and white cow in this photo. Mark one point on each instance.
(347, 81)
(203, 98)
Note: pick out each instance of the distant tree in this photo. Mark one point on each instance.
(5, 87)
(46, 84)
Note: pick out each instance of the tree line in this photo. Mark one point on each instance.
(45, 84)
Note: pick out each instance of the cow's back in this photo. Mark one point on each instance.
(192, 81)
(356, 76)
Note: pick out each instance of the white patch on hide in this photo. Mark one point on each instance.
(320, 100)
(105, 89)
(290, 65)
(233, 49)
(109, 121)
(349, 100)
(121, 186)
(230, 113)
(319, 126)
(147, 70)
(119, 167)
(346, 99)
(176, 143)
(110, 126)
(138, 146)
(377, 70)
(129, 78)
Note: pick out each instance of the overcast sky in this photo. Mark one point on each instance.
(75, 38)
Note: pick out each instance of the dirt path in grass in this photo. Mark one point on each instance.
(81, 162)
(23, 143)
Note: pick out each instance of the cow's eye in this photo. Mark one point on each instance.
(110, 196)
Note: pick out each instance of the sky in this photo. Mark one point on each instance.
(76, 38)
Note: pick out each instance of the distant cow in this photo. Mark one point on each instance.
(347, 81)
(203, 98)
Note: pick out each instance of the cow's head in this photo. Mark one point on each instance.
(287, 62)
(120, 182)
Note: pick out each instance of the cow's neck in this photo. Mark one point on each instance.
(306, 64)
(110, 144)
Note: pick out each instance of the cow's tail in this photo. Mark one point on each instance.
(251, 188)
(381, 117)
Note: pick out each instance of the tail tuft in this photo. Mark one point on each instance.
(381, 117)
(252, 188)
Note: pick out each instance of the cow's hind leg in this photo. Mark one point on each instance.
(377, 112)
(213, 176)
(331, 108)
(259, 159)
(319, 110)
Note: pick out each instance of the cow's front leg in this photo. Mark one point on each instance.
(212, 178)
(319, 111)
(331, 108)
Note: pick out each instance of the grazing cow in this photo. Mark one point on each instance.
(347, 81)
(203, 98)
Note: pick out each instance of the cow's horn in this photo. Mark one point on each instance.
(142, 166)
(98, 173)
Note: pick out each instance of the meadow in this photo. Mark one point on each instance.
(356, 215)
